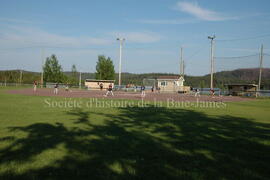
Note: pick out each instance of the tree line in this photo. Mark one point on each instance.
(54, 73)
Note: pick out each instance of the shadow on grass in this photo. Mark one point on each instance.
(144, 143)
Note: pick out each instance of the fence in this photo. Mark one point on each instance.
(247, 70)
(149, 82)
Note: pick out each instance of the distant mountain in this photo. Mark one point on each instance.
(14, 76)
(85, 75)
(220, 78)
(235, 76)
(245, 74)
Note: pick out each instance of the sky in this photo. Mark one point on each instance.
(155, 30)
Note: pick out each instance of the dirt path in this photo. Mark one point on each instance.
(125, 95)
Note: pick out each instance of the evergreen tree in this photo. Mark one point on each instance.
(53, 70)
(105, 68)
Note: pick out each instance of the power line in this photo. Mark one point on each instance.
(242, 39)
(237, 57)
(196, 52)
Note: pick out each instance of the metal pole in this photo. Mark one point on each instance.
(21, 77)
(80, 80)
(211, 86)
(42, 71)
(261, 64)
(212, 61)
(120, 63)
(181, 63)
(183, 68)
(120, 59)
(213, 57)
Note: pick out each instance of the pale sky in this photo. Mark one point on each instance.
(78, 31)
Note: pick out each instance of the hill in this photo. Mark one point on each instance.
(220, 78)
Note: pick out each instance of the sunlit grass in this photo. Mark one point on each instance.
(40, 142)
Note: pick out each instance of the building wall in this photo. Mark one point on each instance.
(241, 90)
(95, 85)
(172, 86)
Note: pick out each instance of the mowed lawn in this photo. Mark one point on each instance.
(42, 142)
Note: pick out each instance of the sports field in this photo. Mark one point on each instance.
(124, 95)
(41, 137)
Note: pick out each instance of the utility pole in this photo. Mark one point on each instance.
(181, 63)
(183, 68)
(80, 80)
(212, 60)
(42, 73)
(20, 77)
(120, 59)
(261, 65)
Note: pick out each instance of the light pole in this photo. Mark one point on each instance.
(261, 65)
(212, 59)
(42, 71)
(181, 62)
(120, 59)
(80, 80)
(21, 72)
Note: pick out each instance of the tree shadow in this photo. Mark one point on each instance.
(145, 143)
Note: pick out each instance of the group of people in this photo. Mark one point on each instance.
(198, 93)
(110, 90)
(101, 86)
(55, 91)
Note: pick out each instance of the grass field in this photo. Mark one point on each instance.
(42, 142)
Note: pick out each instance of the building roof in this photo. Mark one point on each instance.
(242, 85)
(169, 77)
(97, 80)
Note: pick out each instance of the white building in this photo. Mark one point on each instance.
(172, 84)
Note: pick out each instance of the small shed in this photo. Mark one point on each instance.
(172, 84)
(95, 83)
(242, 89)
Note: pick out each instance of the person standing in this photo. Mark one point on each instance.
(197, 93)
(35, 86)
(143, 91)
(67, 88)
(55, 89)
(101, 86)
(212, 92)
(109, 91)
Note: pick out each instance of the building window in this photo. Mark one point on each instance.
(176, 83)
(163, 83)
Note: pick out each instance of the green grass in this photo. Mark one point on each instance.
(40, 142)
